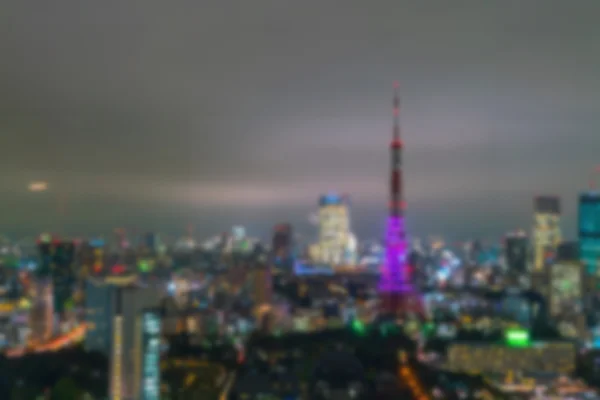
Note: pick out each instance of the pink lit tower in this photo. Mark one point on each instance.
(398, 295)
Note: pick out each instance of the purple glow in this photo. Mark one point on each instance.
(397, 274)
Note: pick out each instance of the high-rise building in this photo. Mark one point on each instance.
(99, 306)
(396, 287)
(57, 263)
(150, 332)
(262, 285)
(515, 249)
(546, 235)
(96, 257)
(282, 243)
(41, 315)
(589, 232)
(566, 287)
(336, 240)
(153, 242)
(64, 275)
(566, 297)
(567, 251)
(115, 318)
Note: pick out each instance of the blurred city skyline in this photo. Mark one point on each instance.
(157, 116)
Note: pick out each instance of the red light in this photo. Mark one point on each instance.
(396, 85)
(396, 144)
(98, 267)
(399, 205)
(118, 269)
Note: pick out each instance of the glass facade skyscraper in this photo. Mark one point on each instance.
(589, 232)
(546, 235)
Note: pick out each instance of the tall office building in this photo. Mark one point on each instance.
(64, 275)
(567, 251)
(115, 318)
(337, 244)
(99, 310)
(262, 285)
(566, 297)
(515, 251)
(57, 263)
(90, 258)
(41, 315)
(589, 232)
(150, 335)
(282, 243)
(546, 235)
(566, 287)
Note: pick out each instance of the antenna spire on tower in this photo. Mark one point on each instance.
(396, 137)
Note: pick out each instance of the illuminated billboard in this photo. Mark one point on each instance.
(517, 338)
(151, 356)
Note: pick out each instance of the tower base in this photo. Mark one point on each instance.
(402, 304)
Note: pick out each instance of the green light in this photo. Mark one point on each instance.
(11, 261)
(358, 327)
(388, 329)
(517, 338)
(428, 328)
(69, 304)
(145, 265)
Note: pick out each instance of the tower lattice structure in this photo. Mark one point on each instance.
(397, 292)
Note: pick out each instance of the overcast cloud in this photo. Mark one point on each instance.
(150, 114)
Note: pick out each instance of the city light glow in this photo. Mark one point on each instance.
(38, 186)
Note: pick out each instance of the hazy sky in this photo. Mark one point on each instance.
(149, 114)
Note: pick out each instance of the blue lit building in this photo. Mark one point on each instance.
(589, 232)
(150, 332)
(99, 305)
(117, 316)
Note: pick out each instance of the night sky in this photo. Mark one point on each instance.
(148, 114)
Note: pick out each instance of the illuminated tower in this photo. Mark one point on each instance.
(398, 295)
(546, 231)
